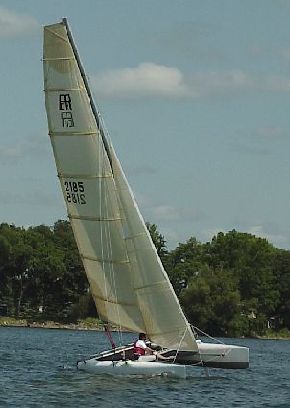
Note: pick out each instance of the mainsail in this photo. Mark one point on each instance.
(127, 279)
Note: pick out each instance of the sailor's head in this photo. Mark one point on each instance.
(142, 336)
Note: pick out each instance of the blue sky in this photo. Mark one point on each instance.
(196, 98)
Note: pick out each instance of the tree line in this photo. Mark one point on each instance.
(235, 285)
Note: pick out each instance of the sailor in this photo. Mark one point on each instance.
(141, 349)
(140, 346)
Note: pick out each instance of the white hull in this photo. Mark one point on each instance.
(217, 355)
(144, 368)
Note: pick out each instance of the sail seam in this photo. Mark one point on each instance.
(59, 59)
(95, 259)
(73, 133)
(48, 90)
(150, 286)
(135, 236)
(83, 176)
(88, 218)
(113, 301)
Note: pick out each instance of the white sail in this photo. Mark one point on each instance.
(164, 320)
(127, 280)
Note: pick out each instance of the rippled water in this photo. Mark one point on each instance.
(38, 370)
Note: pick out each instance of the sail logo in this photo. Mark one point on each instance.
(75, 192)
(65, 106)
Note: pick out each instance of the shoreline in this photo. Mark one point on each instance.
(92, 324)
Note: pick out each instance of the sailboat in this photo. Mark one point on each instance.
(127, 280)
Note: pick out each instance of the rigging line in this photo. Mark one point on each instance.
(179, 345)
(196, 330)
(205, 334)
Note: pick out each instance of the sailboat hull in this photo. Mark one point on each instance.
(143, 368)
(215, 355)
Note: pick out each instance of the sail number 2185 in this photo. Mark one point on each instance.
(75, 192)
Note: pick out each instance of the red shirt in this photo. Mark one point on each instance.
(140, 347)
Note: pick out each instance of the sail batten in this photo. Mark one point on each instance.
(103, 260)
(130, 237)
(128, 282)
(95, 219)
(52, 90)
(114, 301)
(151, 285)
(84, 176)
(58, 59)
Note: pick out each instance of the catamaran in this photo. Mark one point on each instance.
(127, 280)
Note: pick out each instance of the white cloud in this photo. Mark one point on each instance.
(31, 148)
(36, 197)
(166, 212)
(10, 152)
(149, 79)
(204, 83)
(14, 25)
(270, 133)
(211, 83)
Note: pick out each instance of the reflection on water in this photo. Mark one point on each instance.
(38, 368)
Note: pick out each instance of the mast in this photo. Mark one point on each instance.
(90, 95)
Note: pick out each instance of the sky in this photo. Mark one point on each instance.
(195, 95)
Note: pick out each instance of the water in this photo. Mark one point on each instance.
(38, 370)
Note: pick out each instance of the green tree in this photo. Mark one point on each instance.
(158, 240)
(184, 262)
(251, 260)
(212, 302)
(5, 279)
(281, 318)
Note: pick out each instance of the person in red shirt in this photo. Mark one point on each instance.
(140, 346)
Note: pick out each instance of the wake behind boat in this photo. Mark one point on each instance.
(127, 280)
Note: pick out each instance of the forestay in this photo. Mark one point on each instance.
(127, 280)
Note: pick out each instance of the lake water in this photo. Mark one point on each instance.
(38, 370)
